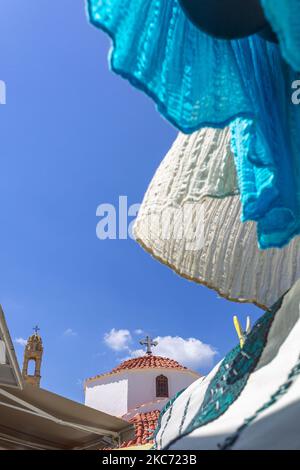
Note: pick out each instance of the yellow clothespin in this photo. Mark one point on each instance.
(242, 334)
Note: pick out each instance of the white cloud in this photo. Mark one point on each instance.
(190, 352)
(21, 341)
(118, 340)
(138, 331)
(70, 332)
(136, 353)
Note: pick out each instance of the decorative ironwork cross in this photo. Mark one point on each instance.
(148, 342)
(36, 329)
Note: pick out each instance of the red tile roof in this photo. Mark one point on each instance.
(148, 361)
(144, 362)
(144, 425)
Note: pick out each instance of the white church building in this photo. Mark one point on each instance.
(137, 389)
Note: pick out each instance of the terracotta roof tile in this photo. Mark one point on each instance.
(144, 424)
(143, 362)
(148, 361)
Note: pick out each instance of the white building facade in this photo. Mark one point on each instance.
(138, 385)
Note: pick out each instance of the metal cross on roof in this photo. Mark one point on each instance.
(36, 329)
(148, 342)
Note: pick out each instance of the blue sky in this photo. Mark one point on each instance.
(74, 136)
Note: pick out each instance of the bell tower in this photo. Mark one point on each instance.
(33, 354)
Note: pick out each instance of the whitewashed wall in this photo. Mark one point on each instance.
(108, 395)
(119, 393)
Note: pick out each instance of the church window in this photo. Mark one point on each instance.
(162, 387)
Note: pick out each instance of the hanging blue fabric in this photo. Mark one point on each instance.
(199, 81)
(267, 149)
(193, 78)
(284, 17)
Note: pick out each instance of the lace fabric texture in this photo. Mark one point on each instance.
(225, 387)
(193, 78)
(190, 221)
(251, 399)
(267, 150)
(285, 20)
(210, 82)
